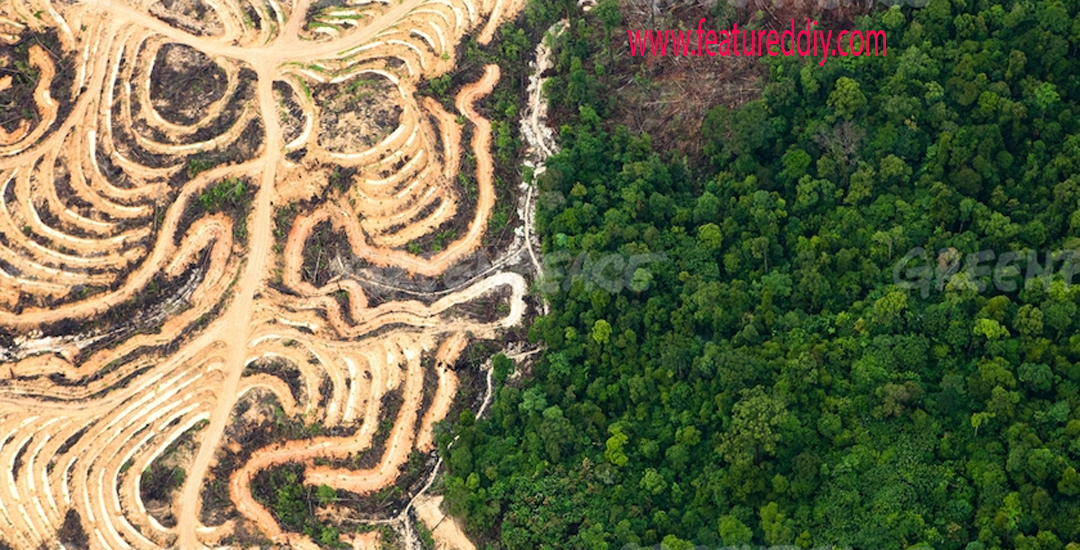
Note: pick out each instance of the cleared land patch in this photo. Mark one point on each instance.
(186, 188)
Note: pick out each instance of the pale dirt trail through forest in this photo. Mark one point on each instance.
(142, 116)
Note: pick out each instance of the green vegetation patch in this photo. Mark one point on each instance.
(774, 384)
(232, 196)
(282, 490)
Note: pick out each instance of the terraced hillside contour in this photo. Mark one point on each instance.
(168, 170)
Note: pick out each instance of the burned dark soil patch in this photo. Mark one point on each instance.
(283, 369)
(257, 422)
(326, 253)
(252, 427)
(71, 534)
(142, 313)
(184, 83)
(17, 105)
(352, 510)
(166, 474)
(293, 504)
(357, 114)
(488, 308)
(292, 115)
(127, 138)
(193, 16)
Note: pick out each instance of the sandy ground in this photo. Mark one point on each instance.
(98, 190)
(445, 530)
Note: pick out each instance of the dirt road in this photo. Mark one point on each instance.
(239, 318)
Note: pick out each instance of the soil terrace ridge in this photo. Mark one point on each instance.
(157, 238)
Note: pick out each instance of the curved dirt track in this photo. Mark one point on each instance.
(146, 275)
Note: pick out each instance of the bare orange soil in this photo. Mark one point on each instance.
(444, 530)
(132, 316)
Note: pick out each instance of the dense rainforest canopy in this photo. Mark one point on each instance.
(771, 383)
